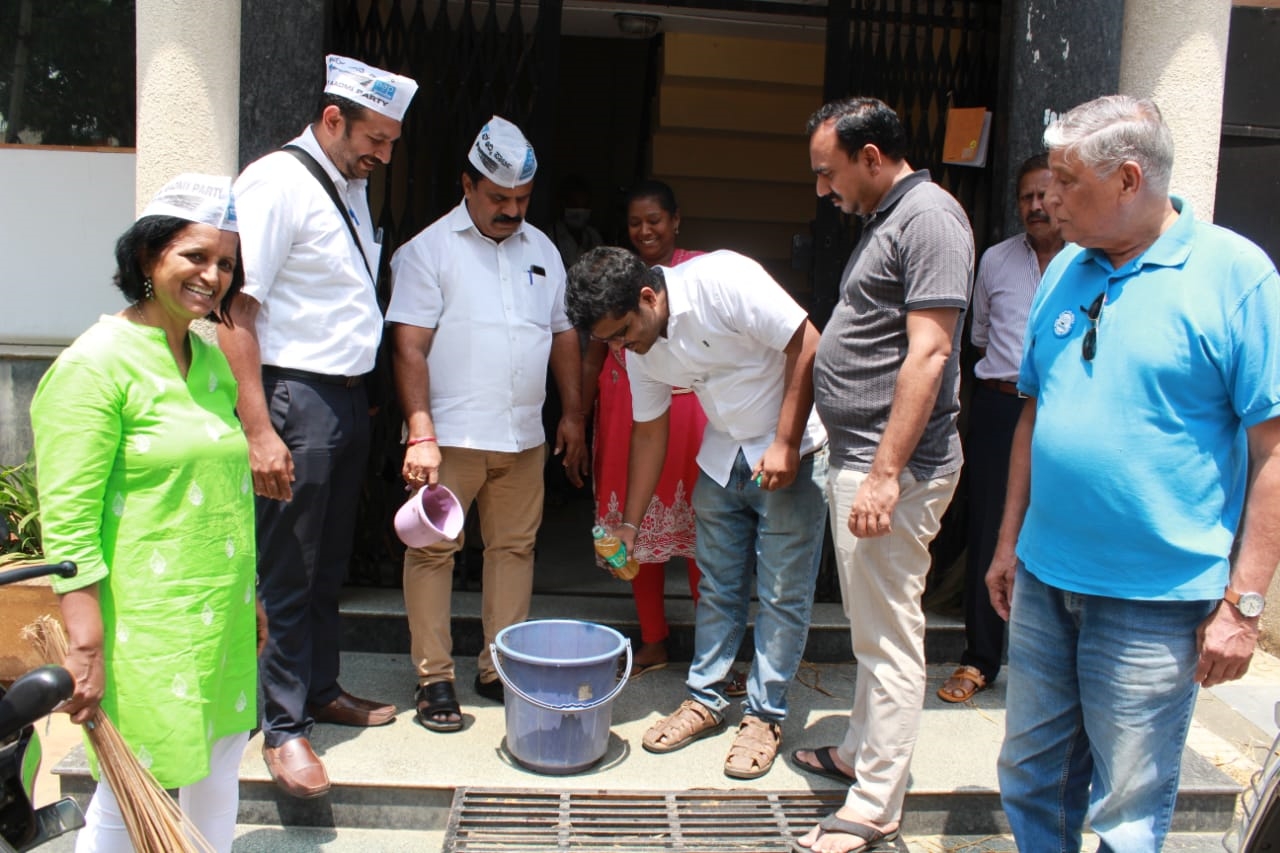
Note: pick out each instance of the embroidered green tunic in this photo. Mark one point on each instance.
(144, 482)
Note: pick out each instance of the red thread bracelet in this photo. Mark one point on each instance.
(419, 440)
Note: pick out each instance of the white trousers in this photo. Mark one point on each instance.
(210, 803)
(881, 582)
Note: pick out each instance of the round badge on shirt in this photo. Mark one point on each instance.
(1064, 324)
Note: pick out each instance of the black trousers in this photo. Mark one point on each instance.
(993, 416)
(304, 547)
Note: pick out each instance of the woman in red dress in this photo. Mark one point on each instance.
(653, 221)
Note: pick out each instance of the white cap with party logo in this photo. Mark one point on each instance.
(502, 154)
(206, 199)
(380, 91)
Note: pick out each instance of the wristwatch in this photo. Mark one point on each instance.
(1248, 603)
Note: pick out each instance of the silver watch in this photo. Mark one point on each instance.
(1248, 603)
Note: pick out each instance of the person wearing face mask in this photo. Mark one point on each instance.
(1008, 276)
(653, 222)
(573, 232)
(477, 314)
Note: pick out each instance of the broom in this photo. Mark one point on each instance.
(153, 820)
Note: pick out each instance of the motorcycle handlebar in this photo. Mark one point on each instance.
(65, 569)
(32, 696)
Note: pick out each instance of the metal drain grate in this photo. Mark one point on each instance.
(490, 820)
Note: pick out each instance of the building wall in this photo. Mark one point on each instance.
(58, 243)
(1175, 52)
(729, 136)
(58, 239)
(188, 90)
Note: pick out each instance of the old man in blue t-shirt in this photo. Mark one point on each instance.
(1152, 360)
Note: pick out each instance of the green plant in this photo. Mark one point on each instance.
(19, 511)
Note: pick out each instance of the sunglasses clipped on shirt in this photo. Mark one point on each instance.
(1089, 345)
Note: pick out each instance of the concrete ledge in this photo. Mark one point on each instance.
(403, 777)
(374, 621)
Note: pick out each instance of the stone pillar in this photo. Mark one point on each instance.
(1175, 52)
(188, 90)
(281, 61)
(1057, 53)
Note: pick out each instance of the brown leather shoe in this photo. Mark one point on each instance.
(297, 769)
(348, 710)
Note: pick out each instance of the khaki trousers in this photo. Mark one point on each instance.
(507, 489)
(881, 582)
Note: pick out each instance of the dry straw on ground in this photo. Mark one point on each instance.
(153, 819)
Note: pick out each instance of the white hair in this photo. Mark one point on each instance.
(1107, 131)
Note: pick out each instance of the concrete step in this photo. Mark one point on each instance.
(402, 777)
(374, 621)
(251, 838)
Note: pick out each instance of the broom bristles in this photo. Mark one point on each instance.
(153, 820)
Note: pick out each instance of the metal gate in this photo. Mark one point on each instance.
(920, 57)
(472, 59)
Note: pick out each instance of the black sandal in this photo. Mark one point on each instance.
(434, 700)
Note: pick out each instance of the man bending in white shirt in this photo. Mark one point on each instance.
(720, 325)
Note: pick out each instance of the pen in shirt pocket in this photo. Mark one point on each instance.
(536, 270)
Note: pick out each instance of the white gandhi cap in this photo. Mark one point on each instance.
(502, 154)
(380, 91)
(205, 199)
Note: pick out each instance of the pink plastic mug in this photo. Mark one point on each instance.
(431, 514)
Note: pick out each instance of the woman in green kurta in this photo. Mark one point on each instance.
(144, 482)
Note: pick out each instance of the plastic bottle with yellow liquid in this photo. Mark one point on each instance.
(614, 553)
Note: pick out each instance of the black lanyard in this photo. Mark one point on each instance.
(317, 171)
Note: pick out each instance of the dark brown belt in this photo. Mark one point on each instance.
(308, 376)
(1010, 388)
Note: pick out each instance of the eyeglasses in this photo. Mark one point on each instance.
(1089, 346)
(619, 336)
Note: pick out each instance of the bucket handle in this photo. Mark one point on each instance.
(572, 706)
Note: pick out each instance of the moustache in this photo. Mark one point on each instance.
(1038, 217)
(504, 219)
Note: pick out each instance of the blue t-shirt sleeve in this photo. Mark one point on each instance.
(1253, 380)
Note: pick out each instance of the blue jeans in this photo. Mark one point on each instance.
(783, 530)
(1099, 700)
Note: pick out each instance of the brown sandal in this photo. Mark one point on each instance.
(735, 686)
(691, 721)
(754, 749)
(962, 684)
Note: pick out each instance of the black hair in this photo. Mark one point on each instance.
(656, 190)
(351, 111)
(606, 282)
(469, 169)
(1035, 163)
(146, 239)
(860, 122)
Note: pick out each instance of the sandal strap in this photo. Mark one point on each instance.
(970, 673)
(757, 739)
(437, 698)
(693, 715)
(687, 720)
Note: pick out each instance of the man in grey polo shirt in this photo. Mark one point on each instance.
(886, 383)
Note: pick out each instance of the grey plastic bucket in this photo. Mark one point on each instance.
(561, 677)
